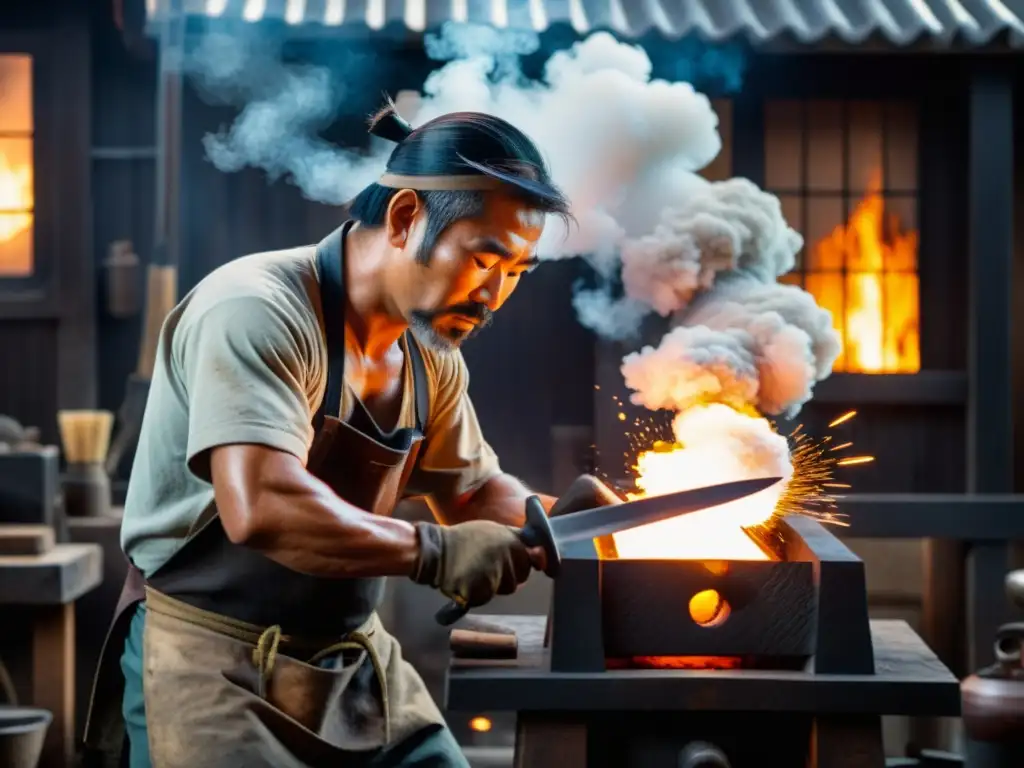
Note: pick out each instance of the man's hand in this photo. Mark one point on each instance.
(472, 562)
(586, 492)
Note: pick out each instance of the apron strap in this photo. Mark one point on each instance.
(330, 258)
(329, 263)
(420, 383)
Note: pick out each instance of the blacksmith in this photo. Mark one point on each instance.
(297, 396)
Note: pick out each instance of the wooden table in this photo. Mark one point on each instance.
(49, 585)
(556, 710)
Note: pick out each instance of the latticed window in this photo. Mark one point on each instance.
(846, 173)
(17, 196)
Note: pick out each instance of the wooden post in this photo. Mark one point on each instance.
(77, 380)
(163, 273)
(545, 740)
(848, 741)
(941, 181)
(53, 679)
(990, 405)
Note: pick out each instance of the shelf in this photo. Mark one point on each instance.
(924, 388)
(964, 517)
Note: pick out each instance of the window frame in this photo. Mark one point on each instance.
(35, 295)
(848, 194)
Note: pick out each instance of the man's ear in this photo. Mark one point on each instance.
(403, 210)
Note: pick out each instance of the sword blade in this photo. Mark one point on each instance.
(602, 521)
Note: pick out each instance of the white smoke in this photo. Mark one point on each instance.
(283, 108)
(627, 150)
(743, 343)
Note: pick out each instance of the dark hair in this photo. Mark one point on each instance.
(458, 143)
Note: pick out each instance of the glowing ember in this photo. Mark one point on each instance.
(842, 419)
(865, 272)
(855, 460)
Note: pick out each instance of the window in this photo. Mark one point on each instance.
(846, 173)
(17, 194)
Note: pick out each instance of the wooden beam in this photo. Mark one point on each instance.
(846, 742)
(123, 153)
(963, 517)
(53, 680)
(924, 388)
(77, 379)
(548, 741)
(942, 275)
(990, 406)
(170, 88)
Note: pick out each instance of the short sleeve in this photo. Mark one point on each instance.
(455, 459)
(244, 366)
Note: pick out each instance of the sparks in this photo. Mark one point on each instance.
(811, 489)
(852, 460)
(842, 419)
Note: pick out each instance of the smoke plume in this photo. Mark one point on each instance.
(282, 110)
(627, 148)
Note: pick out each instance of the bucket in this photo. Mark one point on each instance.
(22, 730)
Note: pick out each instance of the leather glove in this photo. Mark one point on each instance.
(586, 492)
(471, 562)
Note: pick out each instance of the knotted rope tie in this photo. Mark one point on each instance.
(265, 654)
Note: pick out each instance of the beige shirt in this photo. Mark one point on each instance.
(242, 359)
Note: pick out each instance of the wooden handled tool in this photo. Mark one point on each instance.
(473, 644)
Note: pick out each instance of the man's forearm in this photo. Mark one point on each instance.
(501, 499)
(322, 535)
(269, 502)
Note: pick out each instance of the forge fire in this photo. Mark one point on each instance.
(712, 444)
(865, 274)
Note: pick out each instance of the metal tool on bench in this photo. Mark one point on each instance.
(547, 533)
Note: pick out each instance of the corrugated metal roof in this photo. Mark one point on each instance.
(902, 22)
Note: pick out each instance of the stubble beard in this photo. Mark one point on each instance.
(422, 326)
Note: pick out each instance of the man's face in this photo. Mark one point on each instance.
(474, 267)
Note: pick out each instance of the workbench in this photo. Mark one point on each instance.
(576, 720)
(47, 585)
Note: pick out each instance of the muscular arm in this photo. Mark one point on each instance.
(501, 499)
(246, 364)
(269, 502)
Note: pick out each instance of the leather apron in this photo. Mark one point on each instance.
(247, 662)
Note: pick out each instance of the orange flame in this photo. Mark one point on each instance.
(864, 273)
(16, 217)
(16, 198)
